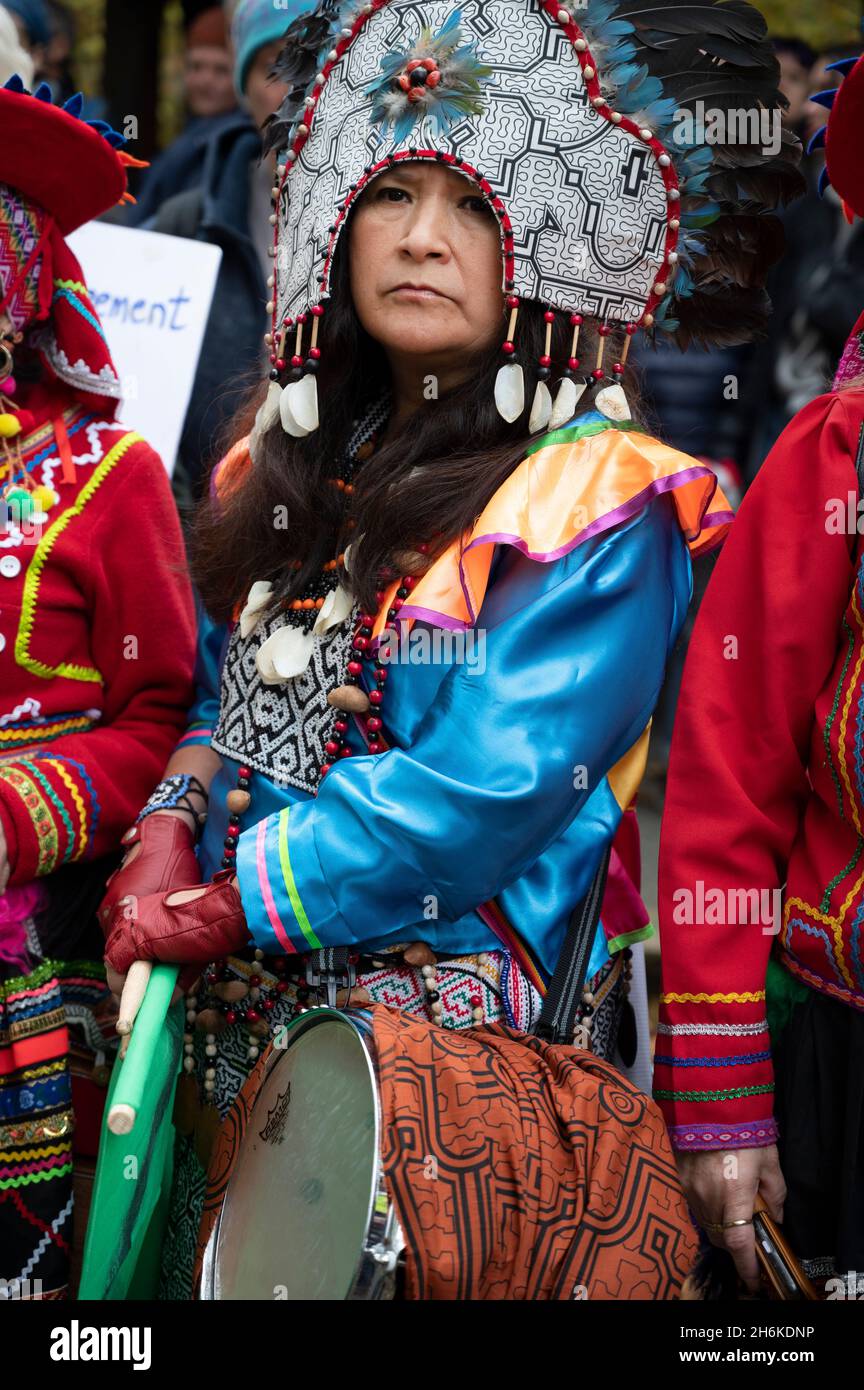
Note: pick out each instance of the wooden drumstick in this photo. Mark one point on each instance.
(134, 989)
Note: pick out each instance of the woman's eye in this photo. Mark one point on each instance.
(479, 205)
(392, 194)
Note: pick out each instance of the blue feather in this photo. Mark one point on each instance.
(15, 84)
(844, 65)
(817, 141)
(75, 104)
(642, 95)
(43, 93)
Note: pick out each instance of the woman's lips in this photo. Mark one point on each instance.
(416, 292)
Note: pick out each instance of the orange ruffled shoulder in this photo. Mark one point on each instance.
(573, 484)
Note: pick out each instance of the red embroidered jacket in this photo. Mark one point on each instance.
(96, 643)
(766, 784)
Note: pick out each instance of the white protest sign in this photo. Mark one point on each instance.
(152, 293)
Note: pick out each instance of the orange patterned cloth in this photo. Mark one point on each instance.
(525, 1171)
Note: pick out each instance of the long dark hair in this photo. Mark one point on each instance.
(428, 485)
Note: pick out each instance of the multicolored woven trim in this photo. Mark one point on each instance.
(752, 1134)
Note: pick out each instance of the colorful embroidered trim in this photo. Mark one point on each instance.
(846, 996)
(753, 997)
(95, 808)
(32, 1131)
(736, 1093)
(56, 801)
(37, 564)
(47, 837)
(754, 1134)
(78, 800)
(70, 291)
(720, 1030)
(746, 1059)
(28, 734)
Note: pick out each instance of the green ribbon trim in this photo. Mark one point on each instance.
(629, 938)
(571, 434)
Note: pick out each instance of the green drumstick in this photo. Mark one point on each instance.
(146, 997)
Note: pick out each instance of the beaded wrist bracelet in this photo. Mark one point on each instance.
(175, 793)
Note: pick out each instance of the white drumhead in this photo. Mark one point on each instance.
(298, 1204)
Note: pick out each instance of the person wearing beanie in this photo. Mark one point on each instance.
(231, 208)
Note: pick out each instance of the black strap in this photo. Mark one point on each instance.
(557, 1019)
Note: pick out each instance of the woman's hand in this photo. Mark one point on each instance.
(189, 926)
(722, 1187)
(160, 855)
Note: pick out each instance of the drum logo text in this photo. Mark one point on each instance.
(274, 1130)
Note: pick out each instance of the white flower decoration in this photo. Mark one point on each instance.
(285, 654)
(259, 597)
(333, 611)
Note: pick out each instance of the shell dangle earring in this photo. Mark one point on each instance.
(300, 397)
(510, 381)
(541, 406)
(611, 400)
(570, 390)
(290, 424)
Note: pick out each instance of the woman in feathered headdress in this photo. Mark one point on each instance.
(445, 567)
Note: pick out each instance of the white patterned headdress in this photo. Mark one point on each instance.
(584, 127)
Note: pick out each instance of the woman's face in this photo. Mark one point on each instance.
(425, 265)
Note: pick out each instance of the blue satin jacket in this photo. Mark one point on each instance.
(496, 780)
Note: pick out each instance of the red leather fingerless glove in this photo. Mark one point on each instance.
(166, 859)
(213, 925)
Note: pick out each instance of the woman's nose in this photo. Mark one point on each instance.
(427, 230)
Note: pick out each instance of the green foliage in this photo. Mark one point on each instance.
(829, 22)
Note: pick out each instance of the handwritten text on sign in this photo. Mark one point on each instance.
(152, 293)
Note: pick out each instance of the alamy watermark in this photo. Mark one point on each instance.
(438, 646)
(714, 907)
(715, 126)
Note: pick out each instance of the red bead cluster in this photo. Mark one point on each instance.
(232, 834)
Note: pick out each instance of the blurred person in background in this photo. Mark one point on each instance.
(231, 208)
(816, 288)
(55, 66)
(796, 59)
(34, 29)
(13, 58)
(211, 105)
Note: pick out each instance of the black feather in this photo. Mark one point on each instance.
(718, 54)
(296, 66)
